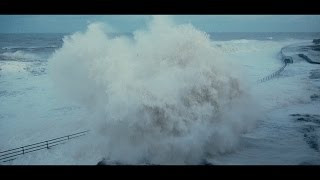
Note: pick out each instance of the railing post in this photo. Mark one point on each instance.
(24, 151)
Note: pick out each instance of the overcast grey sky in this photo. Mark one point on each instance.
(129, 23)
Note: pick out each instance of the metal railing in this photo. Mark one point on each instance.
(12, 154)
(285, 59)
(273, 75)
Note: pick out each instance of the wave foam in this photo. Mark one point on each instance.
(166, 96)
(19, 56)
(29, 48)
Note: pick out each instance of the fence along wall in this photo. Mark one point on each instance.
(285, 59)
(12, 154)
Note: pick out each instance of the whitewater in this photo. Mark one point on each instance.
(169, 94)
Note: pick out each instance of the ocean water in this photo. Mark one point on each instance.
(166, 95)
(264, 36)
(46, 43)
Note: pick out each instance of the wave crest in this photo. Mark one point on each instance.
(166, 96)
(19, 56)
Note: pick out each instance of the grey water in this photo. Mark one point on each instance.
(47, 43)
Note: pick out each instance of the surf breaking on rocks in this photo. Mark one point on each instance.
(164, 96)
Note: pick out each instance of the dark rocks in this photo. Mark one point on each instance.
(314, 97)
(312, 47)
(205, 162)
(100, 163)
(314, 74)
(312, 140)
(316, 41)
(105, 162)
(314, 118)
(309, 129)
(307, 59)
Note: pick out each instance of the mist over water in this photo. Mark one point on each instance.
(164, 96)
